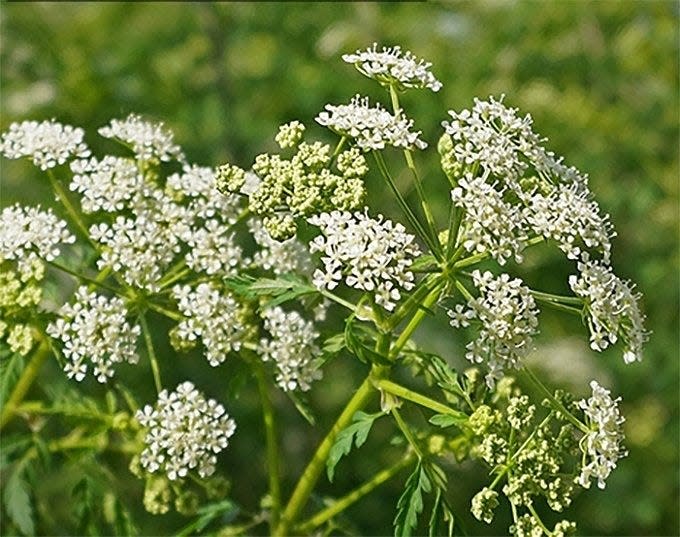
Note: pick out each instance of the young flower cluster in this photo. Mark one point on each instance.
(372, 128)
(613, 309)
(48, 143)
(300, 186)
(94, 330)
(603, 445)
(213, 316)
(20, 294)
(389, 66)
(151, 142)
(373, 255)
(184, 431)
(508, 320)
(28, 234)
(292, 348)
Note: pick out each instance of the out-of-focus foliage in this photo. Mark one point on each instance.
(599, 78)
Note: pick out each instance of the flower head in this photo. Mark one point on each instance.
(371, 127)
(149, 141)
(47, 143)
(184, 430)
(373, 255)
(603, 445)
(389, 66)
(94, 331)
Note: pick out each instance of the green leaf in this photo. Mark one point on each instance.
(410, 504)
(10, 369)
(354, 434)
(18, 502)
(206, 514)
(334, 344)
(446, 420)
(354, 342)
(302, 406)
(282, 289)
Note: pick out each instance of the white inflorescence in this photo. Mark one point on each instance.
(373, 255)
(490, 223)
(508, 317)
(292, 348)
(28, 233)
(184, 431)
(149, 141)
(603, 445)
(281, 257)
(390, 66)
(613, 309)
(216, 319)
(48, 143)
(95, 330)
(372, 128)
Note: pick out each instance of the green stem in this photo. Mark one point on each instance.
(407, 433)
(455, 219)
(271, 442)
(70, 209)
(557, 405)
(476, 258)
(25, 381)
(413, 301)
(152, 354)
(415, 397)
(463, 291)
(339, 300)
(416, 320)
(343, 503)
(549, 297)
(93, 281)
(175, 316)
(538, 519)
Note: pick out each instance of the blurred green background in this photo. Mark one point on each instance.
(599, 78)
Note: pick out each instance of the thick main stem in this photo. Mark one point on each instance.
(415, 397)
(403, 338)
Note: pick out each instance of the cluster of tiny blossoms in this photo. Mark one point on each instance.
(48, 143)
(281, 257)
(603, 444)
(373, 255)
(184, 431)
(388, 66)
(372, 128)
(292, 348)
(94, 330)
(508, 320)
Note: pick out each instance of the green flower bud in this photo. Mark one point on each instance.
(230, 178)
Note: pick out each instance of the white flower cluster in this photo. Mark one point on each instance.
(28, 234)
(372, 128)
(603, 445)
(94, 329)
(491, 224)
(215, 318)
(184, 431)
(106, 185)
(613, 309)
(149, 141)
(48, 143)
(292, 348)
(281, 257)
(373, 255)
(508, 317)
(389, 66)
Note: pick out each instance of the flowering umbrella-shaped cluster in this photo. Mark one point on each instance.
(508, 320)
(602, 446)
(212, 316)
(388, 66)
(371, 127)
(281, 257)
(184, 431)
(94, 331)
(48, 143)
(292, 348)
(373, 255)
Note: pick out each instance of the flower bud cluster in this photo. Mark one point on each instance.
(184, 431)
(373, 255)
(389, 66)
(48, 143)
(94, 331)
(372, 128)
(20, 295)
(508, 320)
(292, 348)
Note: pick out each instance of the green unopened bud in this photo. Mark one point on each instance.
(157, 495)
(280, 227)
(229, 178)
(352, 163)
(186, 503)
(484, 505)
(290, 134)
(20, 339)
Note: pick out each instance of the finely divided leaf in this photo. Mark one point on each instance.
(18, 502)
(280, 290)
(410, 504)
(354, 434)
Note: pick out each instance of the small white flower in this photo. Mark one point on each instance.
(390, 66)
(374, 255)
(281, 257)
(292, 348)
(184, 431)
(603, 445)
(94, 331)
(149, 141)
(371, 127)
(48, 143)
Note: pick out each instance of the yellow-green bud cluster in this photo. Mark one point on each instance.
(20, 294)
(229, 178)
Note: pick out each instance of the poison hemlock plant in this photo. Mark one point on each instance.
(220, 255)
